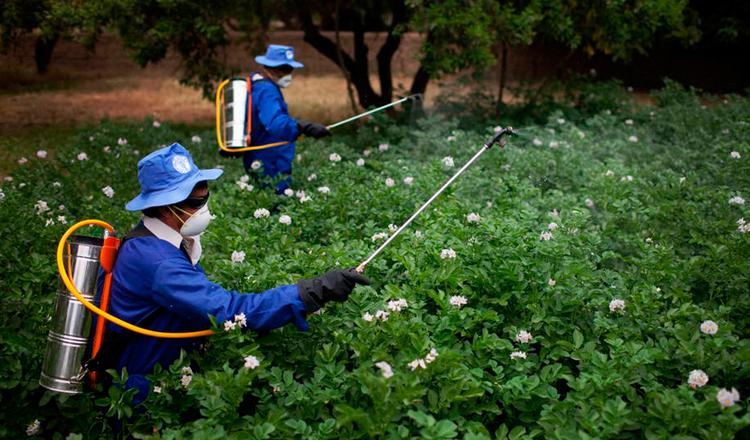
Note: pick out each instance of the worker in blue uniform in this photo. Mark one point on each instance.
(159, 284)
(270, 117)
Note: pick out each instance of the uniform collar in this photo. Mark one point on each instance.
(164, 232)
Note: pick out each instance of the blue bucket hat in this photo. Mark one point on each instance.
(277, 55)
(168, 176)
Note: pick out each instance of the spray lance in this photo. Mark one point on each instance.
(234, 102)
(496, 139)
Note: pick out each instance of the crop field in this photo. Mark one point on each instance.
(589, 280)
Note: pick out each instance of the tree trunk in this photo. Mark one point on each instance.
(43, 52)
(503, 74)
(339, 53)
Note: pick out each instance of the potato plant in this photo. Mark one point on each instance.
(590, 280)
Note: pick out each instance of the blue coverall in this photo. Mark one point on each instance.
(271, 123)
(155, 285)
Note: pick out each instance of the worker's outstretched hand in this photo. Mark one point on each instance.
(336, 285)
(313, 129)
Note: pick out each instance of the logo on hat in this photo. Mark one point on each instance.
(289, 54)
(181, 164)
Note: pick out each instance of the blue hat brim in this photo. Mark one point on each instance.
(262, 60)
(172, 195)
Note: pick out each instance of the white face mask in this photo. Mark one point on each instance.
(196, 224)
(284, 81)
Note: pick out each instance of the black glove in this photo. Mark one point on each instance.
(336, 285)
(313, 129)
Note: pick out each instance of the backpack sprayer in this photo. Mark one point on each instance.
(234, 103)
(79, 262)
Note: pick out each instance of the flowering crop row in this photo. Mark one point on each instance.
(589, 280)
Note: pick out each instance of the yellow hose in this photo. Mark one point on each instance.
(219, 107)
(72, 288)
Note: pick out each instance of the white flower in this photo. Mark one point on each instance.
(244, 178)
(381, 315)
(497, 129)
(396, 305)
(626, 178)
(385, 368)
(633, 138)
(107, 149)
(418, 234)
(379, 236)
(742, 226)
(238, 256)
(33, 428)
(185, 380)
(408, 180)
(431, 356)
(82, 156)
(49, 222)
(628, 122)
(392, 227)
(727, 398)
(368, 317)
(324, 190)
(187, 370)
(382, 147)
(697, 378)
(256, 164)
(41, 206)
(473, 217)
(736, 200)
(554, 213)
(2, 194)
(261, 212)
(609, 173)
(122, 141)
(22, 161)
(195, 139)
(417, 363)
(735, 155)
(61, 219)
(552, 226)
(450, 138)
(304, 198)
(312, 177)
(241, 320)
(617, 305)
(334, 157)
(390, 182)
(251, 362)
(458, 300)
(709, 327)
(285, 220)
(554, 144)
(560, 121)
(523, 337)
(8, 178)
(447, 254)
(589, 203)
(518, 355)
(108, 191)
(360, 162)
(242, 185)
(156, 124)
(682, 179)
(366, 152)
(447, 161)
(229, 325)
(41, 154)
(157, 389)
(538, 142)
(545, 236)
(551, 282)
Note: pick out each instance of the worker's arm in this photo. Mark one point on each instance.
(273, 117)
(181, 288)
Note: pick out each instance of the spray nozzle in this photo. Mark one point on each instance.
(499, 139)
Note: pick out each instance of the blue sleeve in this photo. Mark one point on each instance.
(181, 288)
(275, 120)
